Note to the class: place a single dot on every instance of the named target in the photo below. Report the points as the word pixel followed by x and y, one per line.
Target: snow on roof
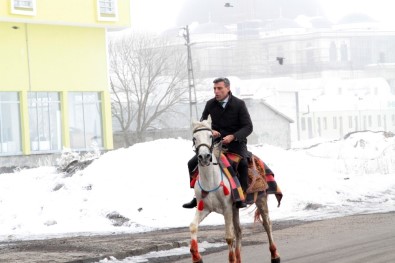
pixel 348 94
pixel 354 18
pixel 319 94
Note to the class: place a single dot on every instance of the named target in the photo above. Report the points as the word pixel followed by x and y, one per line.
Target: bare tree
pixel 148 78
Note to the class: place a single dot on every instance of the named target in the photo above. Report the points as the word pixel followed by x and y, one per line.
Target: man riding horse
pixel 232 123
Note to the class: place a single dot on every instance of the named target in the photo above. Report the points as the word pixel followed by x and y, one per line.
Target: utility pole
pixel 191 79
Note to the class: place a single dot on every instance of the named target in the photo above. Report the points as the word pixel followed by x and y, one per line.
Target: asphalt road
pixel 92 248
pixel 361 238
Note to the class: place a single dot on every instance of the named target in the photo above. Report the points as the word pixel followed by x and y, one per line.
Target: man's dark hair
pixel 224 80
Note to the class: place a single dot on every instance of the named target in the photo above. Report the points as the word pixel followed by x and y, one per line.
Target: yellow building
pixel 54 85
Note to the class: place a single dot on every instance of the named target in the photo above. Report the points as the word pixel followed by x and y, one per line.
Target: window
pixel 349 121
pixel 85 120
pixel 303 124
pixel 107 10
pixel 10 131
pixel 378 120
pixel 325 123
pixel 334 123
pixel 45 121
pixel 341 125
pixel 370 121
pixel 23 7
pixel 319 126
pixel 332 52
pixel 309 53
pixel 381 57
pixel 393 119
pixel 343 52
pixel 391 82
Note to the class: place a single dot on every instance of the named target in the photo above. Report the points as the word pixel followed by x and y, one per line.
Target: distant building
pixel 312 50
pixel 312 47
pixel 54 90
pixel 305 63
pixel 345 106
pixel 270 125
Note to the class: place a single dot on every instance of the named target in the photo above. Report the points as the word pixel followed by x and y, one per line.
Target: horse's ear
pixel 195 124
pixel 209 120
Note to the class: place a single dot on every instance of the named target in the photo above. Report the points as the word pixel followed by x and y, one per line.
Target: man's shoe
pixel 191 204
pixel 241 204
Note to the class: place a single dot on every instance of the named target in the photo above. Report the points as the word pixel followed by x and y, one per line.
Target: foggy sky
pixel 204 11
pixel 159 15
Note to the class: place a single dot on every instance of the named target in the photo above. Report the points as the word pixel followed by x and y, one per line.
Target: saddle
pixel 256 175
pixel 229 167
pixel 260 177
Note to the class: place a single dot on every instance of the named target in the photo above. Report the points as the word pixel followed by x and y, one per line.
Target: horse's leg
pixel 263 209
pixel 193 227
pixel 237 227
pixel 229 232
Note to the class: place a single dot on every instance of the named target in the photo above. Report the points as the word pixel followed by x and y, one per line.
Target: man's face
pixel 220 91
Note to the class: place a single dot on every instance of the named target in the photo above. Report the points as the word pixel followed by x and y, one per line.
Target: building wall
pixel 336 124
pixel 13 62
pixel 307 53
pixel 322 53
pixel 53 58
pixel 60 48
pixel 69 12
pixel 269 126
pixel 48 58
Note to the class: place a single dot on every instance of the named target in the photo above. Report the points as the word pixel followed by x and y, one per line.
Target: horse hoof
pixel 276 260
pixel 200 261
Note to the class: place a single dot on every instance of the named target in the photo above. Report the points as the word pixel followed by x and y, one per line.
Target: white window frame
pixel 23 7
pixel 107 10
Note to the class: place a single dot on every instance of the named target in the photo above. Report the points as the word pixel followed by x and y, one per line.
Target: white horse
pixel 212 190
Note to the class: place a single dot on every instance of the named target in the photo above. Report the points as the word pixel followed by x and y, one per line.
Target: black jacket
pixel 233 119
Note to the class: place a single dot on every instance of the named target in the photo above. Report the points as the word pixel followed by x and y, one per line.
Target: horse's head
pixel 203 141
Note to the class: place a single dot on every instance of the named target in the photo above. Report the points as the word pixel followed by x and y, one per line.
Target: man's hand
pixel 216 134
pixel 227 139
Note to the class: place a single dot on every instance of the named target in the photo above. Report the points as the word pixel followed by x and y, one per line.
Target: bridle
pixel 210 147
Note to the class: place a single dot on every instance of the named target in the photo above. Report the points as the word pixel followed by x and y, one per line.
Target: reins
pixel 216 188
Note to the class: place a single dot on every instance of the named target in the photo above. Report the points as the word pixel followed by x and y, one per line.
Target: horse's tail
pixel 257 216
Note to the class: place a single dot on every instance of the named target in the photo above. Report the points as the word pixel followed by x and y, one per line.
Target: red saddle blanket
pixel 261 178
pixel 258 172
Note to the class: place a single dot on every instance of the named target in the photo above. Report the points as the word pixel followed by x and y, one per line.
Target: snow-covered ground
pixel 142 188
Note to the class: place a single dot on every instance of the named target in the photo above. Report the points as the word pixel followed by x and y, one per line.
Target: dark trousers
pixel 192 164
pixel 242 170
